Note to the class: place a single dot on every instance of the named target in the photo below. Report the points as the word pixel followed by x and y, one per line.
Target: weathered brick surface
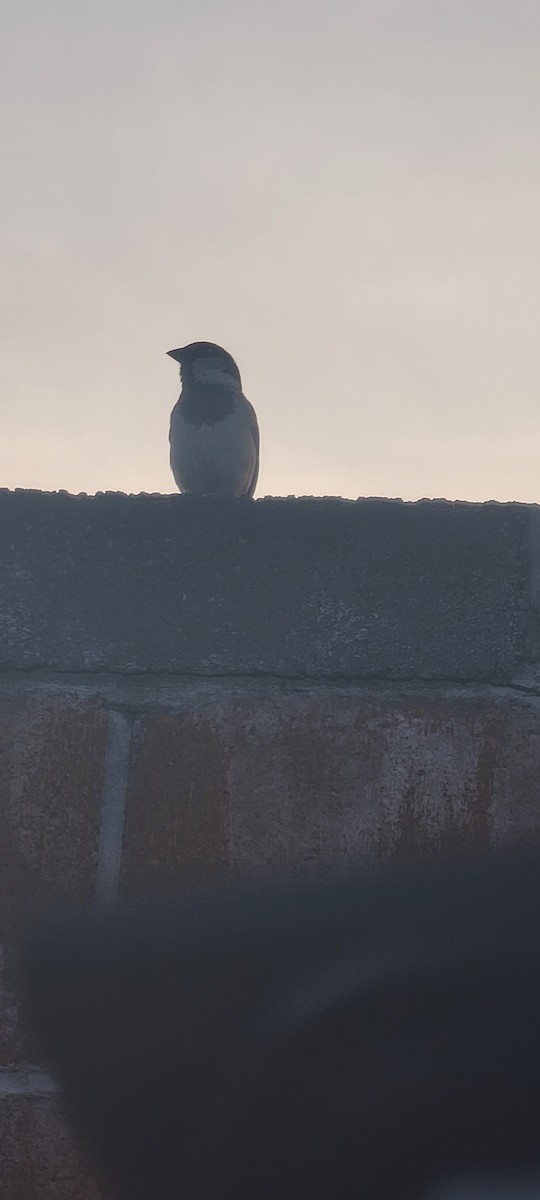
pixel 176 801
pixel 281 778
pixel 38 1157
pixel 236 638
pixel 51 770
pixel 333 777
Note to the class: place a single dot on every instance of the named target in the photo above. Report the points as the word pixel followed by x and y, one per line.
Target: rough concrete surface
pixel 38 1157
pixel 315 587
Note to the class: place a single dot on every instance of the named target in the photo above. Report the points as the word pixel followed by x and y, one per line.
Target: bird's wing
pixel 174 415
pixel 254 429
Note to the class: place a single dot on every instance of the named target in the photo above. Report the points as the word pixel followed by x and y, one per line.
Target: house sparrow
pixel 214 436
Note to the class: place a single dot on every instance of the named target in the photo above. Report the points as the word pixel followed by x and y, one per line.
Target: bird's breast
pixel 213 459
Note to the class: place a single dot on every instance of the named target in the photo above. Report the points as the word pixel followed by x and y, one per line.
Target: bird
pixel 214 435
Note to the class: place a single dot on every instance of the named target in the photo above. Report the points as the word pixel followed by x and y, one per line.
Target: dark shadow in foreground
pixel 341 1038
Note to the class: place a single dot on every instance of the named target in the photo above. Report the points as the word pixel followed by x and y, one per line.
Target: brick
pixel 51 775
pixel 334 778
pixel 177 794
pixel 39 1159
pixel 278 778
pixel 331 777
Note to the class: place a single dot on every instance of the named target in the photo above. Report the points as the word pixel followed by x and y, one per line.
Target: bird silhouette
pixel 214 435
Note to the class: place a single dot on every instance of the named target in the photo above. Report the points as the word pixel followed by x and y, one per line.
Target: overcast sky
pixel 345 195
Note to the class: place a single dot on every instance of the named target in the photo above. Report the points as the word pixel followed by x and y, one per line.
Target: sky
pixel 346 196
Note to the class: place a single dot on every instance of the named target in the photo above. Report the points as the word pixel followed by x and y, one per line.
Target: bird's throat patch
pixel 206 404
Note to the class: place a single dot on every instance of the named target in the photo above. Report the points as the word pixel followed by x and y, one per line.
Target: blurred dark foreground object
pixel 342 1038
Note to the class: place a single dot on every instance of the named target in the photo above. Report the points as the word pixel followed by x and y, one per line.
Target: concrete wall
pixel 189 687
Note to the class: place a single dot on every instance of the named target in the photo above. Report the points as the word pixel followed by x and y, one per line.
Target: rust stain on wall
pixel 176 802
pixel 448 813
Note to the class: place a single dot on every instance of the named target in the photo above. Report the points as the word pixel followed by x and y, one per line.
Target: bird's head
pixel 204 362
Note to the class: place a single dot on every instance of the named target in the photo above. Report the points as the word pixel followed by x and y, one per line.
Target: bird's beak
pixel 176 354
